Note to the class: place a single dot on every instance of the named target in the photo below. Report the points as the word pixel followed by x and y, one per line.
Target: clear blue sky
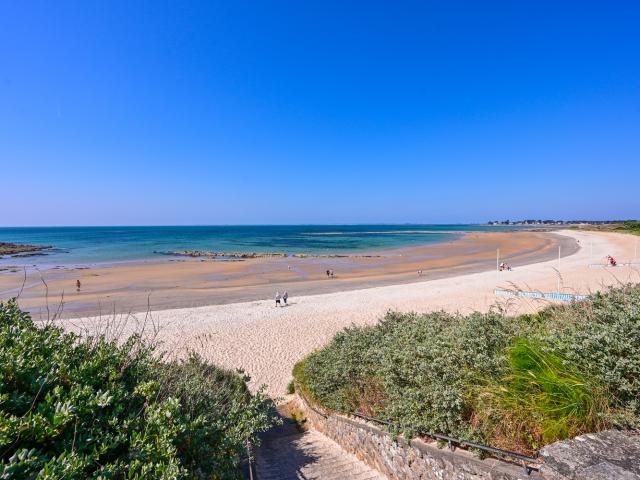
pixel 317 112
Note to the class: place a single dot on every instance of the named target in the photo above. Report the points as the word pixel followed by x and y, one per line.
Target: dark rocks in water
pixel 15 248
pixel 306 255
pixel 10 268
pixel 34 254
pixel 240 255
pixel 245 255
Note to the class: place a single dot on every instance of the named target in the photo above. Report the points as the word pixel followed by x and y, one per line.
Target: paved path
pixel 288 454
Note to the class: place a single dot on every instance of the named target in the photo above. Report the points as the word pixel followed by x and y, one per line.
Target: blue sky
pixel 317 112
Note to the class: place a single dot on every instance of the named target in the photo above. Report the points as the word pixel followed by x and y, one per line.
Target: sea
pixel 105 245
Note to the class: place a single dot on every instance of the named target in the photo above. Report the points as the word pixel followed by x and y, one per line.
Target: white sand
pixel 266 341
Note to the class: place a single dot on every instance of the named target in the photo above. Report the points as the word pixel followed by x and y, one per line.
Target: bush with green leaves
pixel 86 407
pixel 631 226
pixel 516 382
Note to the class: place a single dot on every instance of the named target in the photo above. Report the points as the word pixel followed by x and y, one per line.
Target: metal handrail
pixel 310 404
pixel 524 459
pixel 250 461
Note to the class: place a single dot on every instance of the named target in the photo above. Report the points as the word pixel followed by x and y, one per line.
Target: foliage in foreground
pixel 515 382
pixel 74 407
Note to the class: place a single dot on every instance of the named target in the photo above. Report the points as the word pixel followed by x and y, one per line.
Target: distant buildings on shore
pixel 552 222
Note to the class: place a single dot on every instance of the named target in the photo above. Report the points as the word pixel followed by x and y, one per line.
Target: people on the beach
pixel 611 261
pixel 419 273
pixel 331 272
pixel 505 266
pixel 328 273
pixel 285 297
pixel 78 285
pixel 278 299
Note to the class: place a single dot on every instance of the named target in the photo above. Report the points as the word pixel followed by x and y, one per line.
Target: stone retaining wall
pixel 605 455
pixel 407 460
pixel 608 455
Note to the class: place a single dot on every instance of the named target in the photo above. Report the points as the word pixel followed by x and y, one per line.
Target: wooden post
pixel 559 249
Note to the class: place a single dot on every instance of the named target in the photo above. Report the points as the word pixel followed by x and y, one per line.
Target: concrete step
pixel 288 454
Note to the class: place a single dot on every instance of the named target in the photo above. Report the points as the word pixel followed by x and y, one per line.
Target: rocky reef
pixel 18 250
pixel 240 255
pixel 248 255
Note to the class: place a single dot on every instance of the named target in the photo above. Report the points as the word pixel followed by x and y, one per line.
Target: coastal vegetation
pixel 626 226
pixel 95 407
pixel 630 226
pixel 516 382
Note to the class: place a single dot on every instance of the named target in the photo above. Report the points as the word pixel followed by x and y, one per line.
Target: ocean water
pixel 98 245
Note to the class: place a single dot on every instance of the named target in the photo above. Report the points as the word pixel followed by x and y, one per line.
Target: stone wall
pixel 609 455
pixel 407 460
pixel 603 456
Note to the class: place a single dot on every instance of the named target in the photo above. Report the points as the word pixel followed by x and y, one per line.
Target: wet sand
pixel 191 282
pixel 267 341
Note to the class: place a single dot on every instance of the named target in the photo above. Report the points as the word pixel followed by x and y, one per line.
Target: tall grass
pixel 546 398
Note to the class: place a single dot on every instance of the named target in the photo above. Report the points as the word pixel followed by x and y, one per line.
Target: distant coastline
pixel 200 278
pixel 91 246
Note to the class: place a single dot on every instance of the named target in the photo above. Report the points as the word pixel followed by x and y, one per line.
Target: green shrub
pixel 630 226
pixel 74 407
pixel 601 337
pixel 511 381
pixel 547 398
pixel 291 388
pixel 410 369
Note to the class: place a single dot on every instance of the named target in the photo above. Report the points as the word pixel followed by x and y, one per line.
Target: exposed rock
pixel 305 255
pixel 14 248
pixel 246 255
pixel 606 455
pixel 199 253
pixel 11 268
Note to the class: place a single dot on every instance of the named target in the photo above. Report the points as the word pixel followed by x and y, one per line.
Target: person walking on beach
pixel 278 299
pixel 285 297
pixel 328 273
pixel 78 286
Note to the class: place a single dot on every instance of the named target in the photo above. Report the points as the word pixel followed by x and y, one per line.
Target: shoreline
pixel 266 341
pixel 194 282
pixel 159 255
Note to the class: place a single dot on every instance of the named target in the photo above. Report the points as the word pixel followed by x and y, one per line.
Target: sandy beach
pixel 181 282
pixel 266 341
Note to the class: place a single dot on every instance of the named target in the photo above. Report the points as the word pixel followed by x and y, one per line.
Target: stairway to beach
pixel 287 453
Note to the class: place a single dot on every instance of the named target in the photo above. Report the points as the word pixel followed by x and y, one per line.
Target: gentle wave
pixel 399 232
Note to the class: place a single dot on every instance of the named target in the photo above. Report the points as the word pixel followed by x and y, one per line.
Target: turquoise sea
pixel 97 245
